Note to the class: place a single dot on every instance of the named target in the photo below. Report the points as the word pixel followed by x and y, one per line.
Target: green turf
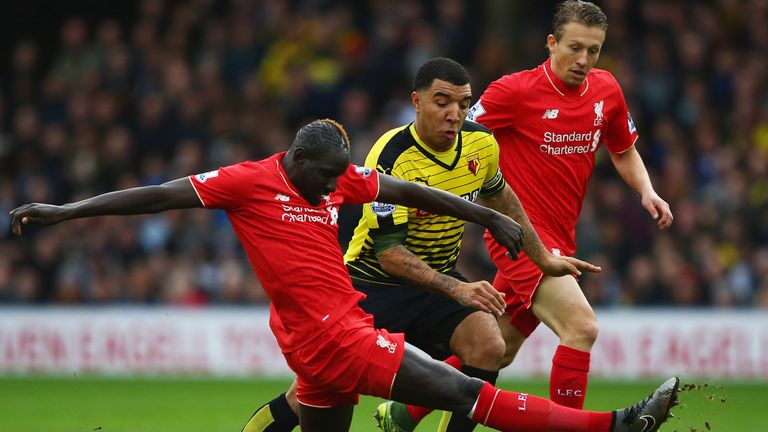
pixel 133 405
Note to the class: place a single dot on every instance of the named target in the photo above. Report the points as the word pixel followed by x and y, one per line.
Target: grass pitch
pixel 86 404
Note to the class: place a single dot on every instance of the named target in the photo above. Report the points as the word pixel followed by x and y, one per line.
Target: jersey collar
pixel 283 175
pixel 431 154
pixel 561 87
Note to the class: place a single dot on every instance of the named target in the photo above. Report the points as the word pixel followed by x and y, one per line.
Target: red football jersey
pixel 548 135
pixel 291 244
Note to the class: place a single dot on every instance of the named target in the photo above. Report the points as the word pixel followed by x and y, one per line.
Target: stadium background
pixel 103 95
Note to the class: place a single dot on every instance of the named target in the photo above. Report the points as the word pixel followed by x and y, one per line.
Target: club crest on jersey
pixel 383 343
pixel 473 164
pixel 599 113
pixel 362 171
pixel 207 175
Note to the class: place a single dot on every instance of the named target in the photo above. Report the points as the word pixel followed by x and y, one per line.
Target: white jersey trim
pixel 196 192
pixel 630 147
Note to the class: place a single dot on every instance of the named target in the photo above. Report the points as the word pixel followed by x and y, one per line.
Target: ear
pixel 416 100
pixel 551 43
pixel 299 155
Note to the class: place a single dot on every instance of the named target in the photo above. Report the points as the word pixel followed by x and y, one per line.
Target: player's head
pixel 318 156
pixel 578 33
pixel 442 96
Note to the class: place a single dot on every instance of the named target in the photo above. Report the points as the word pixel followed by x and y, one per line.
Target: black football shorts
pixel 428 320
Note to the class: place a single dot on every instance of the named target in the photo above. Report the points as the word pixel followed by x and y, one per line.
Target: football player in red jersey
pixel 284 212
pixel 550 122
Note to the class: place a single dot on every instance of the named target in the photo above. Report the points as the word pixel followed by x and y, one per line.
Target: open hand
pixel 479 295
pixel 555 265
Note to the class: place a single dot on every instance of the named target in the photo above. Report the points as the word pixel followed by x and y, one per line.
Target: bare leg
pixel 425 382
pixel 560 304
pixel 478 342
pixel 513 340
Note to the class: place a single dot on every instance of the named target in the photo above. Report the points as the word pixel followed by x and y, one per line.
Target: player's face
pixel 440 112
pixel 577 51
pixel 319 176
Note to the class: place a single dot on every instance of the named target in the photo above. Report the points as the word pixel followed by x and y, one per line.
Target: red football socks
pixel 568 380
pixel 418 413
pixel 510 411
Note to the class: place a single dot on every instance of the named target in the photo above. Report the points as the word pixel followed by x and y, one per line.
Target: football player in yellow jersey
pixel 404 258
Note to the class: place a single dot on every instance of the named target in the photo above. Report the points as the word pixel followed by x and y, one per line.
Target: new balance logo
pixel 550 114
pixel 283 198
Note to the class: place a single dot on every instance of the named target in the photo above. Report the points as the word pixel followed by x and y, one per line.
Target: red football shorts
pixel 348 359
pixel 518 280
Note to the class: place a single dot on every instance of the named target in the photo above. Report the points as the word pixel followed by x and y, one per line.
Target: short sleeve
pixel 359 185
pixel 494 109
pixel 225 188
pixel 385 218
pixel 621 132
pixel 494 181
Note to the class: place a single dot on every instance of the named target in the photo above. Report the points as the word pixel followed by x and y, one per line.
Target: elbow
pixel 386 264
pixel 389 262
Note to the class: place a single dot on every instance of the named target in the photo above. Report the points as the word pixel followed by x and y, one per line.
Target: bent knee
pixel 582 334
pixel 485 353
pixel 510 352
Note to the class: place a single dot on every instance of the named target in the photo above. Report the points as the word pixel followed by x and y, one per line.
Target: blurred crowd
pixel 192 85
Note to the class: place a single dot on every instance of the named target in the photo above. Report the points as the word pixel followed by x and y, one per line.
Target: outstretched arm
pixel 175 194
pixel 630 166
pixel 505 230
pixel 506 202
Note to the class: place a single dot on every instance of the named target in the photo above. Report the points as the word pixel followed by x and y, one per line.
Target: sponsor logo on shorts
pixel 556 252
pixel 383 343
pixel 362 171
pixel 207 175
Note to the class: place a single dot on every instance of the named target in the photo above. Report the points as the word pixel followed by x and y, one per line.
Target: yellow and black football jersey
pixel 469 169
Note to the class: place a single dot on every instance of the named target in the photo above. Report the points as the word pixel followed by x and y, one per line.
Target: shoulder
pixel 389 147
pixel 253 167
pixel 470 126
pixel 604 81
pixel 516 82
